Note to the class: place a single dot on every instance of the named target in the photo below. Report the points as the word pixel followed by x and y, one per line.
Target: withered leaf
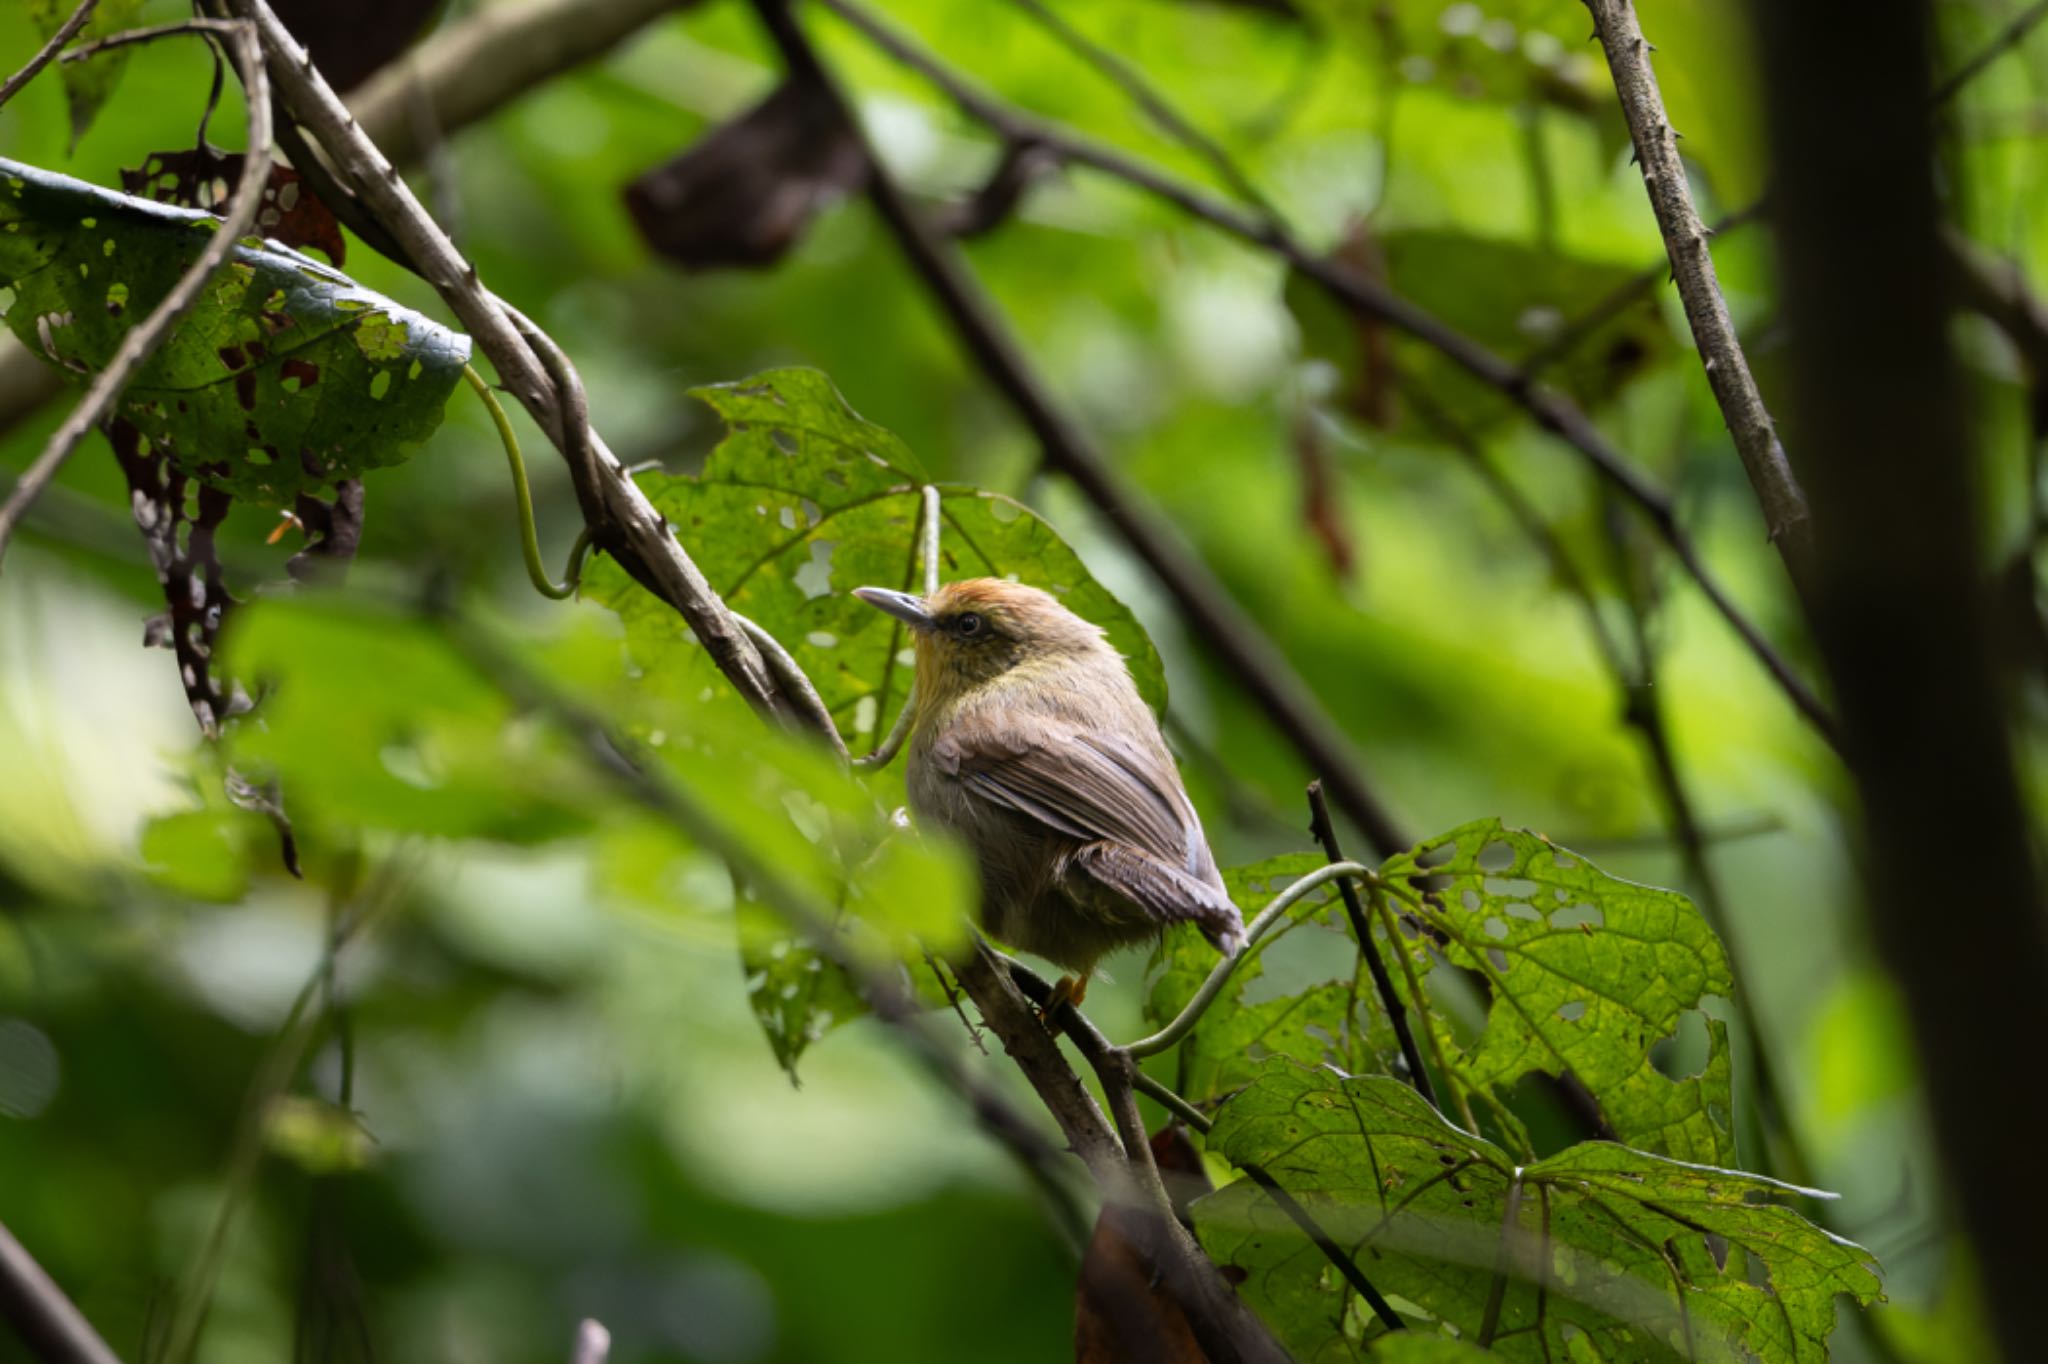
pixel 743 194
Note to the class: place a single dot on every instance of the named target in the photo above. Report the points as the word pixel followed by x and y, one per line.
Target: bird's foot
pixel 1070 990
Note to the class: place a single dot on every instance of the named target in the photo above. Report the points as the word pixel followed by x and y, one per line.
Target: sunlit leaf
pixel 1611 1254
pixel 87 84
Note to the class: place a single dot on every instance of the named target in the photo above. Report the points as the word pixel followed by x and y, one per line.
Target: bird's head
pixel 970 633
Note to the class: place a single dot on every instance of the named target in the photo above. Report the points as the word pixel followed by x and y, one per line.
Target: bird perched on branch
pixel 1031 743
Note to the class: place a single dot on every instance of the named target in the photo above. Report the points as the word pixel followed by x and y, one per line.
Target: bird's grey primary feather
pixel 1052 769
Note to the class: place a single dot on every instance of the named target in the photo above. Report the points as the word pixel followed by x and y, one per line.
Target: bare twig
pixel 2006 39
pixel 54 1330
pixel 1692 267
pixel 64 34
pixel 219 28
pixel 1325 833
pixel 141 343
pixel 1236 640
pixel 1366 298
pixel 622 521
pixel 1155 105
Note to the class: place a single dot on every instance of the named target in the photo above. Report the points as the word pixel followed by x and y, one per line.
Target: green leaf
pixel 1587 972
pixel 1532 52
pixel 1414 1347
pixel 200 853
pixel 1326 1019
pixel 803 501
pixel 87 84
pixel 1611 1254
pixel 285 377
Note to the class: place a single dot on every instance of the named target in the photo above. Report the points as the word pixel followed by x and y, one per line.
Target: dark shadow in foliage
pixel 745 193
pixel 351 39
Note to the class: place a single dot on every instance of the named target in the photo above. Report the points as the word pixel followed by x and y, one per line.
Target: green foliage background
pixel 568 1106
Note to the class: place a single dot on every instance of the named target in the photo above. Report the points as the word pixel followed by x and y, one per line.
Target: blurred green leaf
pixel 87 84
pixel 284 377
pixel 1611 1253
pixel 199 853
pixel 1586 971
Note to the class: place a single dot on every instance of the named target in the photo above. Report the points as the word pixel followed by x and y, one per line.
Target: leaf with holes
pixel 1313 1017
pixel 285 377
pixel 1587 972
pixel 1599 1252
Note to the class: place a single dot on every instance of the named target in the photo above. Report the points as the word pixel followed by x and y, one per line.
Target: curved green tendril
pixel 529 540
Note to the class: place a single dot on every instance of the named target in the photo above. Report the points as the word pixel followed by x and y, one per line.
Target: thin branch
pixel 1221 623
pixel 1692 267
pixel 1496 1293
pixel 1155 105
pixel 1365 298
pixel 140 344
pixel 220 28
pixel 64 34
pixel 622 521
pixel 2001 43
pixel 1219 975
pixel 54 1330
pixel 1325 833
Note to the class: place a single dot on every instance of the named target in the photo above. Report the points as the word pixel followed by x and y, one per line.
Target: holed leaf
pixel 1605 1253
pixel 1587 972
pixel 285 377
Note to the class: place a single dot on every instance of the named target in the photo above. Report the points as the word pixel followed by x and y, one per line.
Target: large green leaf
pixel 1605 1253
pixel 1587 972
pixel 284 377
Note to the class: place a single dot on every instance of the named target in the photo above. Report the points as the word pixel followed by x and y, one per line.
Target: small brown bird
pixel 1032 744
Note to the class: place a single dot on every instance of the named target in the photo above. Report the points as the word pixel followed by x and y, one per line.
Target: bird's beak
pixel 906 608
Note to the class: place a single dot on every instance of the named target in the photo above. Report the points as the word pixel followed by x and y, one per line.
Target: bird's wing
pixel 1088 786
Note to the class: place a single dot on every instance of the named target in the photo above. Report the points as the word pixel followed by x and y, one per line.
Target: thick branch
pixel 1692 267
pixel 622 521
pixel 468 71
pixel 1900 609
pixel 140 344
pixel 55 1330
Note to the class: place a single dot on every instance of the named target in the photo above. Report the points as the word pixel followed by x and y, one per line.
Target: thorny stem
pixel 140 344
pixel 1692 268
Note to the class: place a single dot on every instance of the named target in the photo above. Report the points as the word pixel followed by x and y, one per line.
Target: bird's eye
pixel 969 625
